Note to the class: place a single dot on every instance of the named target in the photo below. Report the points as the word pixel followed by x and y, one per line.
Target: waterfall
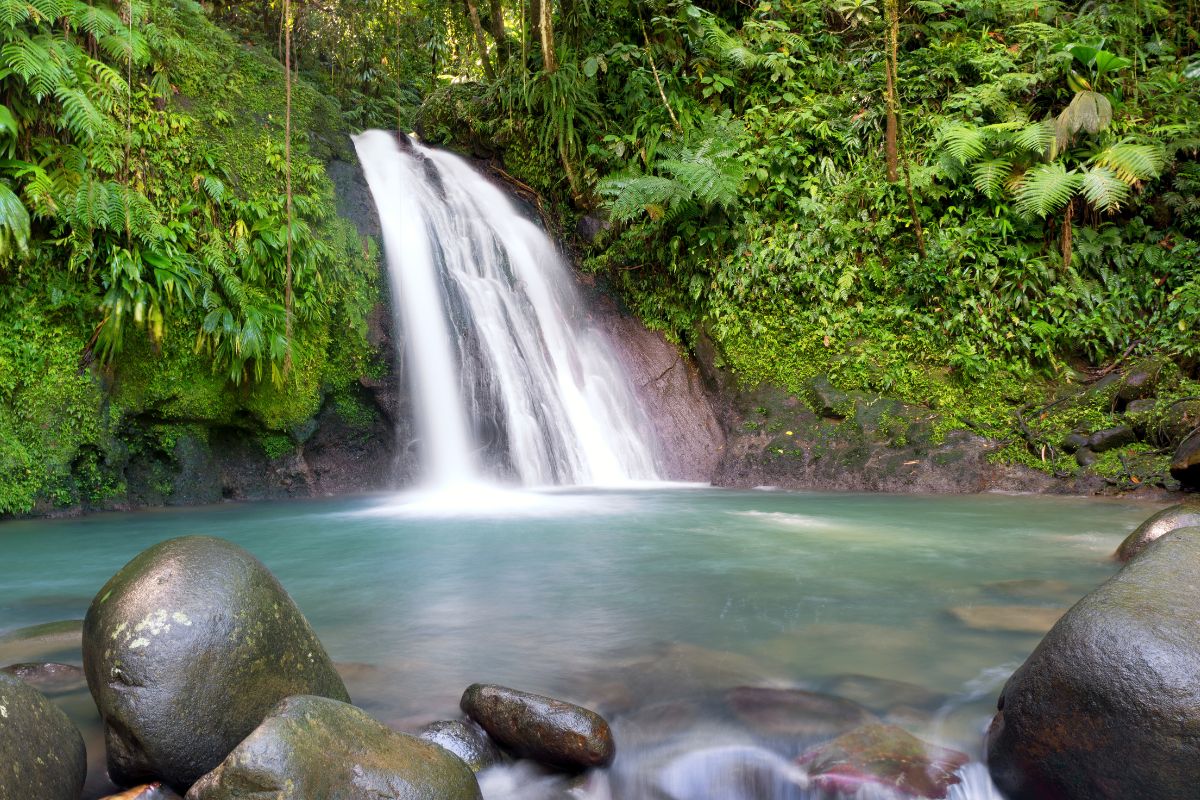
pixel 508 381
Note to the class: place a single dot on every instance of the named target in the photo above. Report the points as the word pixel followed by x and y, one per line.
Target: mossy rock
pixel 186 650
pixel 42 756
pixel 314 747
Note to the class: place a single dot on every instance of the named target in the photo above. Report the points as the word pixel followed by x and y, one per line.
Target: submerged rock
pixel 186 650
pixel 466 740
pixel 546 730
pixel 887 757
pixel 50 679
pixel 41 753
pixel 1183 515
pixel 1108 705
pixel 1013 619
pixel 314 747
pixel 149 791
pixel 795 713
pixel 42 642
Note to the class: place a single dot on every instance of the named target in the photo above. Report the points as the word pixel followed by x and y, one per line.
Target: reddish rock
pixel 884 756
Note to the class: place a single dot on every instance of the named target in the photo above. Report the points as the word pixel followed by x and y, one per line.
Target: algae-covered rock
pixel 41 753
pixel 186 650
pixel 887 757
pixel 1182 515
pixel 1108 705
pixel 466 740
pixel 550 731
pixel 314 747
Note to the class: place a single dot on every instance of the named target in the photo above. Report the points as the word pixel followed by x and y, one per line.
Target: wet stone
pixel 1013 619
pixel 149 791
pixel 1183 515
pixel 544 729
pixel 466 740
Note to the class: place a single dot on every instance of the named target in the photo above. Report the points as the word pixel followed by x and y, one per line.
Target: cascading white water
pixel 507 380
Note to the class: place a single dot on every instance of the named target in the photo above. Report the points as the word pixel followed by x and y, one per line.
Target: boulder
pixel 1139 382
pixel 1146 405
pixel 1180 420
pixel 41 753
pixel 795 713
pixel 1108 705
pixel 1182 515
pixel 546 730
pixel 828 400
pixel 1185 465
pixel 1111 438
pixel 883 756
pixel 466 740
pixel 1074 442
pixel 313 747
pixel 186 650
pixel 1086 457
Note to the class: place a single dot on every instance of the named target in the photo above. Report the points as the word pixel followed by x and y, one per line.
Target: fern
pixel 991 176
pixel 1036 137
pixel 1104 189
pixel 964 143
pixel 633 196
pixel 1046 189
pixel 80 115
pixel 1131 162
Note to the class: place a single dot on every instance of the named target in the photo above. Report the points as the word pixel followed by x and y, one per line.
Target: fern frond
pixel 1036 137
pixel 1131 162
pixel 991 176
pixel 1104 189
pixel 79 114
pixel 1046 189
pixel 641 194
pixel 964 143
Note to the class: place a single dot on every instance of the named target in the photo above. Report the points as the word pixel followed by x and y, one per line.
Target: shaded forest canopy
pixel 971 204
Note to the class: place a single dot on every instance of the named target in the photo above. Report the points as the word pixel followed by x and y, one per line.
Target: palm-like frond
pixel 1046 189
pixel 14 224
pixel 633 196
pixel 1089 111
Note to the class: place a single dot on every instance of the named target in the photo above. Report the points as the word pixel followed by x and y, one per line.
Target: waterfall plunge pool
pixel 649 605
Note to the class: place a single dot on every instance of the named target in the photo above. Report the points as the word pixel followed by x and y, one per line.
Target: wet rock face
pixel 1185 465
pixel 186 650
pixel 884 756
pixel 50 679
pixel 1183 515
pixel 546 730
pixel 1108 705
pixel 314 747
pixel 149 791
pixel 41 752
pixel 466 740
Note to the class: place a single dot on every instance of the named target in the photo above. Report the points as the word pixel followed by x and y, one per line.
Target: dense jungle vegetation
pixel 974 204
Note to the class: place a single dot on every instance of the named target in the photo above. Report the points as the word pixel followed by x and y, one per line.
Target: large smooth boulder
pixel 549 731
pixel 186 650
pixel 41 753
pixel 1108 705
pixel 314 747
pixel 1183 515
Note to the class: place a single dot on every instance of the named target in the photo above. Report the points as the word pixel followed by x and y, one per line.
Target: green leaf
pixel 1103 189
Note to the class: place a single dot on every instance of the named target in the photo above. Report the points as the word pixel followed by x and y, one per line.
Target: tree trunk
pixel 534 18
pixel 496 24
pixel 893 34
pixel 1067 234
pixel 546 26
pixel 480 41
pixel 287 158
